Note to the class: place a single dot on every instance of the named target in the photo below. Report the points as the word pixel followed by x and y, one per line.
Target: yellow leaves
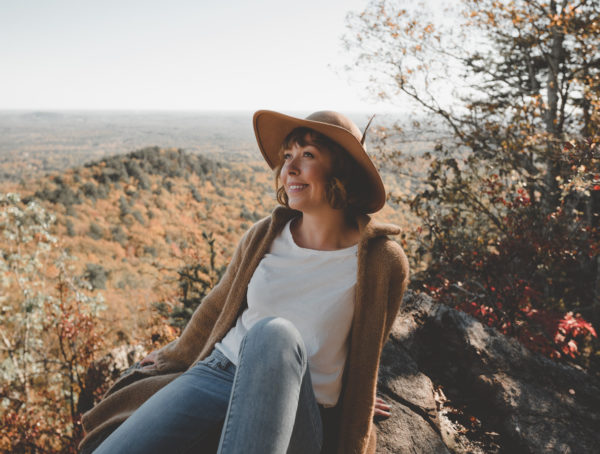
pixel 491 18
pixel 557 22
pixel 390 24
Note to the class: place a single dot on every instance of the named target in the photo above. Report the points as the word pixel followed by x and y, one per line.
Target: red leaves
pixel 36 428
pixel 575 325
pixel 46 415
pixel 560 333
pixel 527 277
pixel 543 331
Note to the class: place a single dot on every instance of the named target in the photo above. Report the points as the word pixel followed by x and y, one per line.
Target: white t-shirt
pixel 315 291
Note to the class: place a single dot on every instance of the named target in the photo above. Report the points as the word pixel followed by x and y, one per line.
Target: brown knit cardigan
pixel 381 280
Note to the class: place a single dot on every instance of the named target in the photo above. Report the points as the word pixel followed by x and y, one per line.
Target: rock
pixel 458 386
pixel 102 372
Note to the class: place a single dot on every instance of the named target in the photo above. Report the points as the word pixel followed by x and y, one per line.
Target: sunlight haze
pixel 178 55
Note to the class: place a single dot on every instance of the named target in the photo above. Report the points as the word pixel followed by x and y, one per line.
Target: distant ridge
pixel 33 143
pixel 135 168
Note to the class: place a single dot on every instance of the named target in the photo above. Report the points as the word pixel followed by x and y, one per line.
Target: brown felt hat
pixel 271 128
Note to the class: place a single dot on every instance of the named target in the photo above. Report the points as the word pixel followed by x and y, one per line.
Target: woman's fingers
pixel 382 408
pixel 380 403
pixel 149 360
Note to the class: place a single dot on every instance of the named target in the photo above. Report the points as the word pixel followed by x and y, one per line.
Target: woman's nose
pixel 292 167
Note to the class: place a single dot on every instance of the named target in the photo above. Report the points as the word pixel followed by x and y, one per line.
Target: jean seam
pixel 232 399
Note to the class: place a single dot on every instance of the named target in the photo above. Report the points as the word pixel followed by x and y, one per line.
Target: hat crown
pixel 336 119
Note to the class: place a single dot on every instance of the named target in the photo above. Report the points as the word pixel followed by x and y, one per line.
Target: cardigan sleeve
pixel 379 296
pixel 179 354
pixel 398 283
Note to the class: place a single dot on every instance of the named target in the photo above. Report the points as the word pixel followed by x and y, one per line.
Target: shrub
pixel 96 275
pixel 96 232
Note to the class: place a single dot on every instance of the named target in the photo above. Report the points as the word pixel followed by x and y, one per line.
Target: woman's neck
pixel 324 232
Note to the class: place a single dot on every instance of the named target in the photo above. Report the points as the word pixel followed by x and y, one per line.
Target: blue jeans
pixel 265 406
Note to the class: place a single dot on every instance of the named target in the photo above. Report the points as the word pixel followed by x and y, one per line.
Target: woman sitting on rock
pixel 282 355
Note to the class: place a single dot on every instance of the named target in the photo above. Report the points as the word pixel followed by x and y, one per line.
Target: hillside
pixel 133 221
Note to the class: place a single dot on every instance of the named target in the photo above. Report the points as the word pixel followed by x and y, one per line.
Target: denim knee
pixel 274 338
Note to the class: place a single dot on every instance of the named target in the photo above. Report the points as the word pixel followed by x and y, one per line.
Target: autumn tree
pixel 48 333
pixel 196 277
pixel 510 200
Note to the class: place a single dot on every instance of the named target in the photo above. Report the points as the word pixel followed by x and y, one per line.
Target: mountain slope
pixel 133 220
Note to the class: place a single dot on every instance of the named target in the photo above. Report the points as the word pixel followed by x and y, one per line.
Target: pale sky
pixel 178 55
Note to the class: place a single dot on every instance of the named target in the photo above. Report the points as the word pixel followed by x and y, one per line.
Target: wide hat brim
pixel 271 128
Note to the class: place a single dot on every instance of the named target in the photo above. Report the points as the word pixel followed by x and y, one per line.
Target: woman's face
pixel 305 176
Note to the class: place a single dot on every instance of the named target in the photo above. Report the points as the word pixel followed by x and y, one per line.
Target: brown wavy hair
pixel 344 190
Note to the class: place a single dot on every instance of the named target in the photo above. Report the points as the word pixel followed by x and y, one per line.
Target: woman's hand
pixel 382 409
pixel 149 362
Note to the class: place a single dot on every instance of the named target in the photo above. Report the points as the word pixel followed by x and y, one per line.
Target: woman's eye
pixel 309 154
pixel 287 156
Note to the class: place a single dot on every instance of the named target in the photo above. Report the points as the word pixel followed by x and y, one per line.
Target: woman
pixel 282 355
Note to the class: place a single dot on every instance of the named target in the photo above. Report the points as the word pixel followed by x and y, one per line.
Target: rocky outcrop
pixel 457 386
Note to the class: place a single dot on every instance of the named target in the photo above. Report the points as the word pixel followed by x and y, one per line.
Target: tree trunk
pixel 554 59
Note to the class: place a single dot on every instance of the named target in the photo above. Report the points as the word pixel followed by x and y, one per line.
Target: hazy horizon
pixel 34 142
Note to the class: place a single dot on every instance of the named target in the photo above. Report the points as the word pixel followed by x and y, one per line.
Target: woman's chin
pixel 295 204
pixel 296 207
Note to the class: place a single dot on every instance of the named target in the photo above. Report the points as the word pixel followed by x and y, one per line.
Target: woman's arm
pixel 179 354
